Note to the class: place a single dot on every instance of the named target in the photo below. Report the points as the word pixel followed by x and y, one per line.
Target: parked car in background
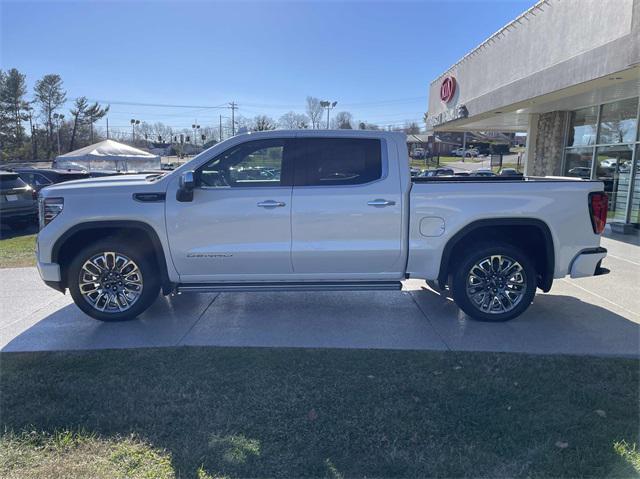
pixel 38 178
pixel 609 162
pixel 340 212
pixel 465 152
pixel 580 172
pixel 509 172
pixel 18 201
pixel 482 172
pixel 419 152
pixel 415 171
pixel 437 172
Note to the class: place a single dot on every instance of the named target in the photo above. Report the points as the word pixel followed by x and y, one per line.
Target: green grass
pixel 432 162
pixel 18 251
pixel 35 454
pixel 234 412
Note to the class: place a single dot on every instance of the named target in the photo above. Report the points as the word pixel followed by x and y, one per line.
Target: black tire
pixel 461 278
pixel 146 266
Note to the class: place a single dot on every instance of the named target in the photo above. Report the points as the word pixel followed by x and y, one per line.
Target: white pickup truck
pixel 315 210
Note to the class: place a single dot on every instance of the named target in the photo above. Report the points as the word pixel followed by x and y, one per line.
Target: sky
pixel 376 59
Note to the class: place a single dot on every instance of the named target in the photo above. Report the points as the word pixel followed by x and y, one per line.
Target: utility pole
pixel 220 131
pixel 233 105
pixel 107 128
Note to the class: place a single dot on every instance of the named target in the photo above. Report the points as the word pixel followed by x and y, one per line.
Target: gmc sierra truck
pixel 315 210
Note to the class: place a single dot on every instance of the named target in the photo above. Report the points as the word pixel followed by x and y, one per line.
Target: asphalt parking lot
pixel 592 316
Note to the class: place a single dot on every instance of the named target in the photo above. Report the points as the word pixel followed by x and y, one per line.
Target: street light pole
pixel 134 122
pixel 328 105
pixel 58 117
pixel 195 128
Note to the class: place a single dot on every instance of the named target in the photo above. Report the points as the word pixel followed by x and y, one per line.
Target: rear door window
pixel 40 180
pixel 10 181
pixel 338 161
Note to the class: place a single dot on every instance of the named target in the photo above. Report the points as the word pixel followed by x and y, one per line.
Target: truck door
pixel 346 217
pixel 238 225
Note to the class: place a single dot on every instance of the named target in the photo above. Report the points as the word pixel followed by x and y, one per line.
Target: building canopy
pixel 108 155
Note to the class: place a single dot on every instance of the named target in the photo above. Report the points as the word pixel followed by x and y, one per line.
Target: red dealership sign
pixel 447 89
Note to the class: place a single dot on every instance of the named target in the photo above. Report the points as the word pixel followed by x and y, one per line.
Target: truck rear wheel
pixel 112 281
pixel 494 282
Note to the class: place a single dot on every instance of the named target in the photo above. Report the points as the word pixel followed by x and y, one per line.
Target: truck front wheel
pixel 113 281
pixel 494 282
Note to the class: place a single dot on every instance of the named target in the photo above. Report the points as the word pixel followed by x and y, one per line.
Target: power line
pixel 156 105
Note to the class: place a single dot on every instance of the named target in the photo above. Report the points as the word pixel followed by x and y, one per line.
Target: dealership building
pixel 566 72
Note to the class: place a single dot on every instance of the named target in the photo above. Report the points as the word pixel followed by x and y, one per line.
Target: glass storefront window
pixel 618 122
pixel 583 127
pixel 613 167
pixel 635 193
pixel 577 162
pixel 618 136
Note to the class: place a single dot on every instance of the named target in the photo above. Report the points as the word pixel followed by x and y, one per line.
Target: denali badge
pixel 209 255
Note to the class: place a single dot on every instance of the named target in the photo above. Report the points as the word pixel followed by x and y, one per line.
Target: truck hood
pixel 116 181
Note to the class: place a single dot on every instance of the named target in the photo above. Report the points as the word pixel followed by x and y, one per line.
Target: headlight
pixel 49 208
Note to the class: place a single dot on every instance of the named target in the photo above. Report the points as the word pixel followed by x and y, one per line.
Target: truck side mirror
pixel 186 185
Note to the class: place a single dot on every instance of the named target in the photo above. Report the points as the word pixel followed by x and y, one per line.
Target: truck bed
pixel 441 207
pixel 484 179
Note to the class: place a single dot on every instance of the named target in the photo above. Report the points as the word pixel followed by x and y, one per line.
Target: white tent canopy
pixel 108 155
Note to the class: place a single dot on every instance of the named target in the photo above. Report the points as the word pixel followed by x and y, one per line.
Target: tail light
pixel 598 207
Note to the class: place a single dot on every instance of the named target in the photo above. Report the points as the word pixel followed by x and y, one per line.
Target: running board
pixel 290 286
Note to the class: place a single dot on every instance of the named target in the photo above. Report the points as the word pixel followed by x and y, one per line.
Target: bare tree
pixel 293 121
pixel 50 95
pixel 342 121
pixel 155 131
pixel 263 123
pixel 314 111
pixel 363 125
pixel 411 128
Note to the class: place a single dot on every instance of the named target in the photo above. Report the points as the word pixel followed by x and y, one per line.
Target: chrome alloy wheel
pixel 110 282
pixel 496 284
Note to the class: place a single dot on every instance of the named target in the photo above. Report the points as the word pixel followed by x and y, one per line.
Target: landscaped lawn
pixel 239 412
pixel 18 251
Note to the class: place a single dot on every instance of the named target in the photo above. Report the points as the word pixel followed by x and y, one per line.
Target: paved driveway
pixel 596 316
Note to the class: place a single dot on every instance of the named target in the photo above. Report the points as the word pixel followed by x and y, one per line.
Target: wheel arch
pixel 84 233
pixel 511 230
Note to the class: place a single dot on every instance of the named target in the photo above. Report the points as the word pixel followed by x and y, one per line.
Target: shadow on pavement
pixel 631 239
pixel 554 324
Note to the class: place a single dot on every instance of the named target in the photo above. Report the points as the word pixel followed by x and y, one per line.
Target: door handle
pixel 381 202
pixel 271 204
